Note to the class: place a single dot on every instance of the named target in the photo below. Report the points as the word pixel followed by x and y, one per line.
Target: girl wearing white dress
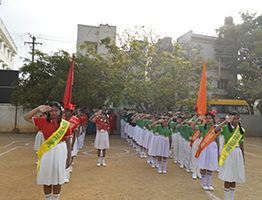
pixel 102 135
pixel 233 168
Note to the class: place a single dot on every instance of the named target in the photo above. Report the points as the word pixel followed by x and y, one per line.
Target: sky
pixel 54 22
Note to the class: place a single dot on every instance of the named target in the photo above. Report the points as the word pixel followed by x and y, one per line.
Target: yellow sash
pixel 52 140
pixel 230 145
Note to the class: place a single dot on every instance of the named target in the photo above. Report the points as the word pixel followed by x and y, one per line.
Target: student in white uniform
pixel 232 161
pixel 102 135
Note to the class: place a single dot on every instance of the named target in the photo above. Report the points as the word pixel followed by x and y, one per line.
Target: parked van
pixel 223 105
pixel 227 105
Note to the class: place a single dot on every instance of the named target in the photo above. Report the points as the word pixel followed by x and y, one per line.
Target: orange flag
pixel 202 96
pixel 69 84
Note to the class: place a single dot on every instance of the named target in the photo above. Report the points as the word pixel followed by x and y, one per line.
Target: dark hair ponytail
pixel 56 104
pixel 240 129
pixel 104 112
pixel 205 127
pixel 229 125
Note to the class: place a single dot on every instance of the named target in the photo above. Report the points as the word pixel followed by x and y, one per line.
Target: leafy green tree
pixel 238 45
pixel 155 76
pixel 42 81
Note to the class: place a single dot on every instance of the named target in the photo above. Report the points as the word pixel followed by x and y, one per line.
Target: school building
pixel 205 43
pixel 93 35
pixel 8 49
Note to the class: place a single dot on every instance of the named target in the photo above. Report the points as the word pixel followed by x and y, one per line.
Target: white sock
pixel 227 193
pixel 48 196
pixel 103 160
pixel 98 159
pixel 232 193
pixel 56 196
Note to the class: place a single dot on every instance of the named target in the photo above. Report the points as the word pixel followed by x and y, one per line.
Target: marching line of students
pixel 195 144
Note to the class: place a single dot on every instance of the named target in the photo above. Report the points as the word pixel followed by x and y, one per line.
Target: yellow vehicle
pixel 228 105
pixel 222 105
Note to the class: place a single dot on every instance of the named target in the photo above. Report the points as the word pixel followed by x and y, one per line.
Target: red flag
pixel 69 84
pixel 202 96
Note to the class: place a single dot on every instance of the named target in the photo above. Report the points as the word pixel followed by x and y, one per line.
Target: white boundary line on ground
pixel 251 154
pixel 212 196
pixel 8 144
pixel 12 150
pixel 252 145
pixel 8 151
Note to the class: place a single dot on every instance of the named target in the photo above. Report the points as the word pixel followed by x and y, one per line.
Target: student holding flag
pixel 54 156
pixel 231 161
pixel 207 153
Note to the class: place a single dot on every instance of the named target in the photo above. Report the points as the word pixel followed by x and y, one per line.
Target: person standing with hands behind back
pixel 54 156
pixel 102 135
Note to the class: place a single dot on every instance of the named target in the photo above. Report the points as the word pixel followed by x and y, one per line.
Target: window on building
pixel 222 84
pixel 94 44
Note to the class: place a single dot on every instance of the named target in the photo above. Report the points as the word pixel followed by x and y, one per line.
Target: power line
pixel 33 45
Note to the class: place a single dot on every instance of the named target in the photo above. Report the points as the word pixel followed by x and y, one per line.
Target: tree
pixel 42 81
pixel 140 70
pixel 238 46
pixel 156 76
pixel 45 80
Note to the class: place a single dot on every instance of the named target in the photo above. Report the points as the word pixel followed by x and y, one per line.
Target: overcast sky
pixel 54 22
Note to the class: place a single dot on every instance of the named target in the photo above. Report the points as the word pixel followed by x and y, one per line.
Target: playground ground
pixel 126 176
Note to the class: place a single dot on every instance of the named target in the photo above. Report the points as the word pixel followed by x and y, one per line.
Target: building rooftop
pixel 8 34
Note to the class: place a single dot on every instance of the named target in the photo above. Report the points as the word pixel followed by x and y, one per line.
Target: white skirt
pixel 74 150
pixel 122 125
pixel 101 140
pixel 137 131
pixel 147 139
pixel 233 169
pixel 126 129
pixel 153 146
pixel 52 169
pixel 39 139
pixel 162 146
pixel 129 130
pixel 132 131
pixel 141 137
pixel 208 158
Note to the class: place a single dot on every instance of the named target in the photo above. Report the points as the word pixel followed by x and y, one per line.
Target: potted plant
pixel 15 130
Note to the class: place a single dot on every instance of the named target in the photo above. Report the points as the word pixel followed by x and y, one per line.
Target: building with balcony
pixel 8 48
pixel 205 44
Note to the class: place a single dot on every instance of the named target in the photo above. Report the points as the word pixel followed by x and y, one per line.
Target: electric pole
pixel 33 45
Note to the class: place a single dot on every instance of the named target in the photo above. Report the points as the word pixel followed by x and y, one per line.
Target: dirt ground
pixel 126 176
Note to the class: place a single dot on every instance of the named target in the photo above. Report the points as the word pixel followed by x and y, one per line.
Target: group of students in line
pixel 60 137
pixel 200 143
pixel 194 141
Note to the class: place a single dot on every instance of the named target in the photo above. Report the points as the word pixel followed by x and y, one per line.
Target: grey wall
pixel 251 123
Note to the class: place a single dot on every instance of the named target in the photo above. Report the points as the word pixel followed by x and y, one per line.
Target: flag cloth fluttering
pixel 202 96
pixel 69 84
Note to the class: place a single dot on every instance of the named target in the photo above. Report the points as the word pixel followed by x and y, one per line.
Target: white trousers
pixel 181 149
pixel 175 145
pixel 195 146
pixel 187 157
